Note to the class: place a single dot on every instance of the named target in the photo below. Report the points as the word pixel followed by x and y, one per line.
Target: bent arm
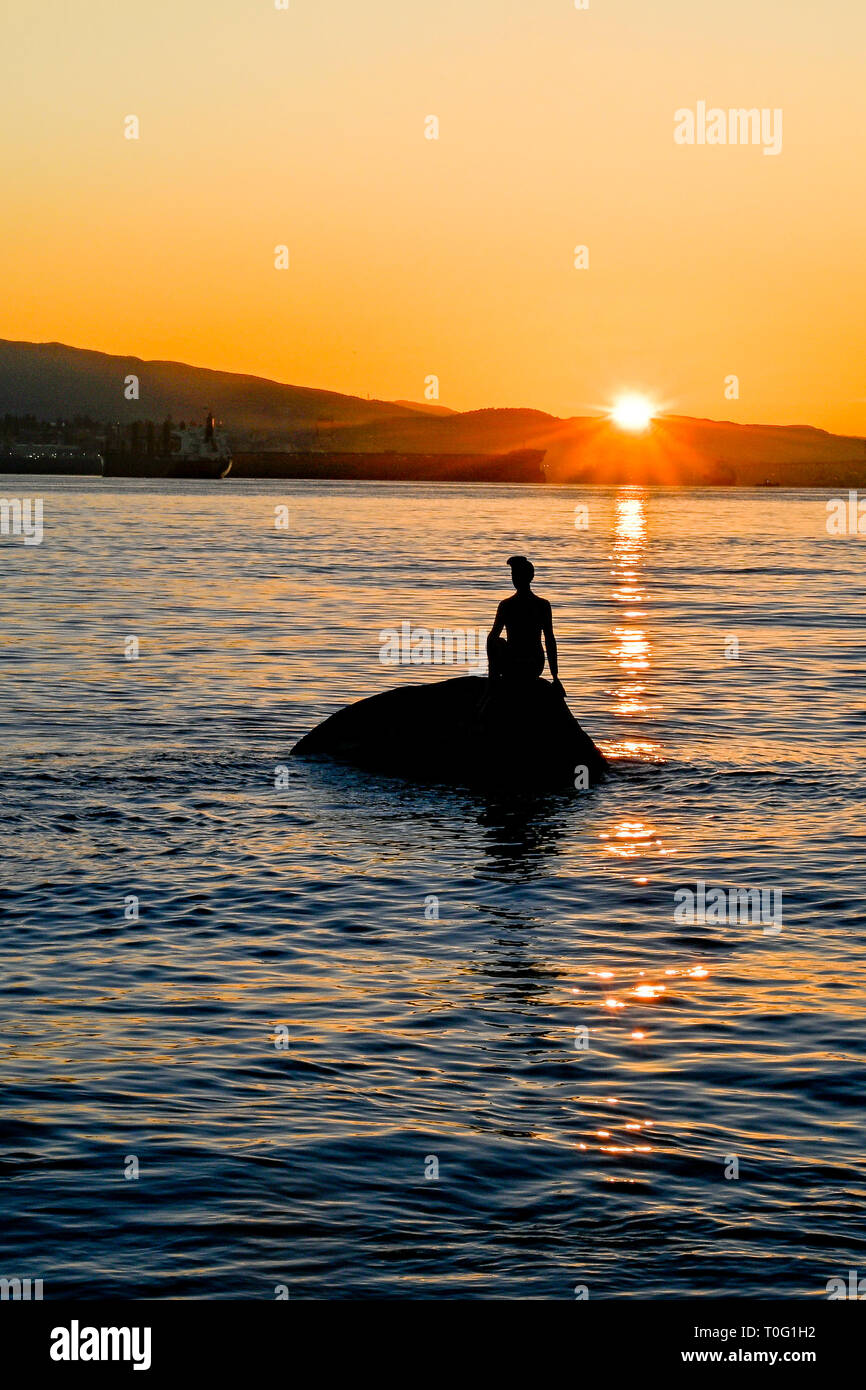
pixel 550 644
pixel 498 623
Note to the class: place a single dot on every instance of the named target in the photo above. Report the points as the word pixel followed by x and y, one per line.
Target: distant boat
pixel 185 451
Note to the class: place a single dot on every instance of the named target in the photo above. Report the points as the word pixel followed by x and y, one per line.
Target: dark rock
pixel 467 731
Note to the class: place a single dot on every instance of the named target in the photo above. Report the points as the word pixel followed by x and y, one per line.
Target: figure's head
pixel 522 572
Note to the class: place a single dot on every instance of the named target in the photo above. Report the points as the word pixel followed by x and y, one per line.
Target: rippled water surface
pixel 289 1040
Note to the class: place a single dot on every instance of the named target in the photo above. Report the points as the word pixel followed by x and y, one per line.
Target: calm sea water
pixel 288 1040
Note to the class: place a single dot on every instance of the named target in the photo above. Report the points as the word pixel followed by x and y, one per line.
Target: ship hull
pixel 518 466
pixel 121 465
pixel 90 467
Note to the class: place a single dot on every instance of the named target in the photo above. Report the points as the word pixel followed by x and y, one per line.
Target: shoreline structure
pixel 526 467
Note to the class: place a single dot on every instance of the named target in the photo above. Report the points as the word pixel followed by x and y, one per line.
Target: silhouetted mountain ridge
pixel 52 380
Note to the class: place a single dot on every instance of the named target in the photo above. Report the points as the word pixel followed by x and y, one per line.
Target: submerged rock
pixel 466 731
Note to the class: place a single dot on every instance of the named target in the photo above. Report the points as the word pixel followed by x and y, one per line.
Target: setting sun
pixel 632 413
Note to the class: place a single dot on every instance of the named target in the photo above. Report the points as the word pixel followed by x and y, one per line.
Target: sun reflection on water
pixel 632 650
pixel 623 1136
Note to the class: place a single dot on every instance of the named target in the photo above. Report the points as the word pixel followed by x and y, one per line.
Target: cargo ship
pixel 174 451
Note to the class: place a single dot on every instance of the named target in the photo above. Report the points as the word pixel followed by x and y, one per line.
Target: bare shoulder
pixel 543 604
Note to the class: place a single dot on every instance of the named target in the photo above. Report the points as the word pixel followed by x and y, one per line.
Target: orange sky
pixel 412 257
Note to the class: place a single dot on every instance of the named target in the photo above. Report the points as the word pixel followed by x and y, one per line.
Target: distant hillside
pixel 678 449
pixel 466 432
pixel 50 380
pixel 593 450
pixel 429 407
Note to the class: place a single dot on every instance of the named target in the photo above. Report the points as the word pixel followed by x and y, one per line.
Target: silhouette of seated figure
pixel 518 658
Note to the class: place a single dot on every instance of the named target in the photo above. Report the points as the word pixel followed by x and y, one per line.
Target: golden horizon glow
pixel 454 257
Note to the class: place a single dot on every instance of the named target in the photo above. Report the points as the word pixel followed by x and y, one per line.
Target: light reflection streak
pixel 631 650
